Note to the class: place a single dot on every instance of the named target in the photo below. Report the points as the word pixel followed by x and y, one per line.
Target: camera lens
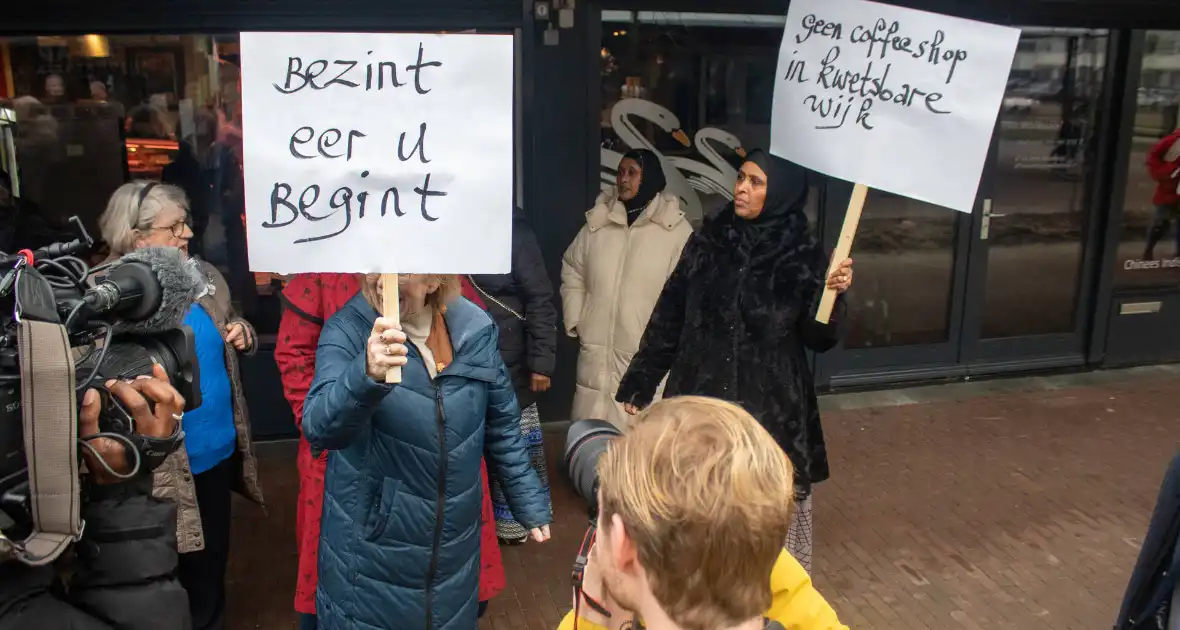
pixel 584 445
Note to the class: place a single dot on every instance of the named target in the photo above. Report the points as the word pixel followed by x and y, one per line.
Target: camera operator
pixel 122 574
pixel 693 510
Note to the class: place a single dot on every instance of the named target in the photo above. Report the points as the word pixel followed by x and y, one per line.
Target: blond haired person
pixel 694 506
pixel 402 493
pixel 217 457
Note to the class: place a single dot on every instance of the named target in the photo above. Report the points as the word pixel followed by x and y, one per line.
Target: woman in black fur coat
pixel 736 315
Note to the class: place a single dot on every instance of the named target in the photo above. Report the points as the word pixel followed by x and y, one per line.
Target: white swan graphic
pixel 665 120
pixel 715 178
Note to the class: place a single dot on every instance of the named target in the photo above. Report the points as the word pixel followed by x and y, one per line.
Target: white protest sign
pixel 378 153
pixel 890 98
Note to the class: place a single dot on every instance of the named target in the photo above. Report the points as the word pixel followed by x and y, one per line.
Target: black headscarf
pixel 650 185
pixel 781 231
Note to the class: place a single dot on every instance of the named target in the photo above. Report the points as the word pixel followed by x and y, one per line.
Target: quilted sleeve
pixel 573 281
pixel 342 397
pixel 507 450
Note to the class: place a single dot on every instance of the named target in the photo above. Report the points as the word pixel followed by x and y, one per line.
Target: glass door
pixel 1027 292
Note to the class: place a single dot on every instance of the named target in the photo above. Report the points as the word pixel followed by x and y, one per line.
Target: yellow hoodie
pixel 796 604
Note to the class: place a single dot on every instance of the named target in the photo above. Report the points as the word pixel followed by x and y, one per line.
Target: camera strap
pixel 49 408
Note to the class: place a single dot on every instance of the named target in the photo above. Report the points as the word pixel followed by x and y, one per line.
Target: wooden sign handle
pixel 391 308
pixel 843 248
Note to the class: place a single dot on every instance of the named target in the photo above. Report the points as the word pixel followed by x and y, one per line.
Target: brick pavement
pixel 1020 511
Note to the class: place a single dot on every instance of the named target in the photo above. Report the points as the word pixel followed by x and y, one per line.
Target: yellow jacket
pixel 796 604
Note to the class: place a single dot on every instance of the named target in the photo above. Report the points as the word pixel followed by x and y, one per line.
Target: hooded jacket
pixel 734 321
pixel 399 543
pixel 611 276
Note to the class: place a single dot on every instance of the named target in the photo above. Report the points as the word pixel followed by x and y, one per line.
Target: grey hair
pixel 125 215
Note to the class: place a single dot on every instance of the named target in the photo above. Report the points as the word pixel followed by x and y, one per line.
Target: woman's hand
pixel 539 383
pixel 631 409
pixel 159 422
pixel 841 278
pixel 386 350
pixel 539 534
pixel 237 335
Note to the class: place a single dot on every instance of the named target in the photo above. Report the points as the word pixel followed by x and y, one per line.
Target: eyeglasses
pixel 177 228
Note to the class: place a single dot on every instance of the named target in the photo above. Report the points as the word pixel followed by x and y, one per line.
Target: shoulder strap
pixel 304 315
pixel 49 408
pixel 773 625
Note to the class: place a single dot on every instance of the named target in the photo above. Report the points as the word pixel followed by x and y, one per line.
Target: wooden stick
pixel 391 308
pixel 843 248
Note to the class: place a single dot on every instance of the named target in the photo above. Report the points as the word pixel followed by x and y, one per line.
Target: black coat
pixel 1154 581
pixel 528 343
pixel 734 327
pixel 124 574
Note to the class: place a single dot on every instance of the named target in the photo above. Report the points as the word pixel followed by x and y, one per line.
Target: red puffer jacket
pixel 309 300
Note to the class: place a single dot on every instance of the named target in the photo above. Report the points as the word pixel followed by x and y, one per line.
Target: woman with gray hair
pixel 218 456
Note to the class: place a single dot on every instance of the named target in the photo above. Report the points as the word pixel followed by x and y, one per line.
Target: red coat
pixel 1165 172
pixel 309 300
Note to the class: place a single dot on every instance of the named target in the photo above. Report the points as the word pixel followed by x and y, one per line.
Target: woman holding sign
pixel 400 544
pixel 736 316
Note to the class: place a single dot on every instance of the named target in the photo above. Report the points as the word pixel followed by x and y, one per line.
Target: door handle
pixel 986 224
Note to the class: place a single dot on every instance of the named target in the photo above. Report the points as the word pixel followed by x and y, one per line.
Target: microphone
pixel 149 290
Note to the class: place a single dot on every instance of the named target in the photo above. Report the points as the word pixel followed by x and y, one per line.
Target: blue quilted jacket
pixel 399 543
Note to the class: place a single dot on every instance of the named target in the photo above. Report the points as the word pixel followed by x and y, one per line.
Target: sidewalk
pixel 1011 504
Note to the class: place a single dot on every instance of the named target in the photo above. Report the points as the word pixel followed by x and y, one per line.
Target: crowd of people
pixel 408 490
pixel 395 494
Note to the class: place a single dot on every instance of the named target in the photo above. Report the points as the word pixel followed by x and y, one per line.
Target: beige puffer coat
pixel 611 277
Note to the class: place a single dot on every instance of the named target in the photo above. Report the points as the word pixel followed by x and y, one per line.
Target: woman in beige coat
pixel 612 275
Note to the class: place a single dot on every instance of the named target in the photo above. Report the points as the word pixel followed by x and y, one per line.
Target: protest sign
pixel 890 98
pixel 387 153
pixel 378 153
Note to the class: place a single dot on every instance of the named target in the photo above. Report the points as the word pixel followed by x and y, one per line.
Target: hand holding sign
pixel 890 98
pixel 386 350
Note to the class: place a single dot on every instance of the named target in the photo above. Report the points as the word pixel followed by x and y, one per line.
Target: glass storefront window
pixel 1149 243
pixel 94 111
pixel 1042 171
pixel 695 88
pixel 905 262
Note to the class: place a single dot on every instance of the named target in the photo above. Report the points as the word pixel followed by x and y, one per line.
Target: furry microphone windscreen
pixel 182 282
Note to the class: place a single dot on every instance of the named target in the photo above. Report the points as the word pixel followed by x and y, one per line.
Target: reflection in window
pixel 905 260
pixel 695 88
pixel 1042 175
pixel 1149 243
pixel 94 111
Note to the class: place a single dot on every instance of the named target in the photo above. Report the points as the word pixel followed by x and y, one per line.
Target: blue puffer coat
pixel 399 544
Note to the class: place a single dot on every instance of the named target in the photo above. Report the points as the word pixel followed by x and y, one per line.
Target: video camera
pixel 113 322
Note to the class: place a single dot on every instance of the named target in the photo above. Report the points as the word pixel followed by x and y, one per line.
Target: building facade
pixel 1065 263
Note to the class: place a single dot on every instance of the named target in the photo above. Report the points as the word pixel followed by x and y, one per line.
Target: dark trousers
pixel 307 622
pixel 202 573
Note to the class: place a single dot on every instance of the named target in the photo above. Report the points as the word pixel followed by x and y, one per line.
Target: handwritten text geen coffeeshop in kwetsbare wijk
pixel 843 85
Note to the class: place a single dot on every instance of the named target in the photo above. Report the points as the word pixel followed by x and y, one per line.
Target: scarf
pixel 428 331
pixel 780 236
pixel 651 182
